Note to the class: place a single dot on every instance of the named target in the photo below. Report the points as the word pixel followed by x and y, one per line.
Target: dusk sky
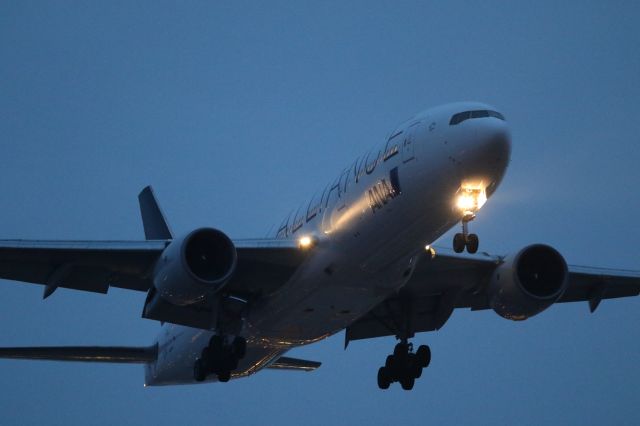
pixel 236 112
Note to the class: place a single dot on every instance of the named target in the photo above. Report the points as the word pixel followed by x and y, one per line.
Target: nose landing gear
pixel 464 239
pixel 219 358
pixel 404 365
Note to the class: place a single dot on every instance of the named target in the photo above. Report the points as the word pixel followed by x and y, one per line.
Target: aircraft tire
pixel 407 382
pixel 458 243
pixel 383 378
pixel 206 353
pixel 423 355
pixel 215 343
pixel 472 243
pixel 389 363
pixel 415 368
pixel 199 373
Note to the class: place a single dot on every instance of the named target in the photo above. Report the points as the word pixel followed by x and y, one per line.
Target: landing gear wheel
pixel 388 364
pixel 415 369
pixel 199 373
pixel 458 243
pixel 423 356
pixel 417 372
pixel 206 353
pixel 224 376
pixel 215 343
pixel 407 382
pixel 472 243
pixel 239 347
pixel 383 378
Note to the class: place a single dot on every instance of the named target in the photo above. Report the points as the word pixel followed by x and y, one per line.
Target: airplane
pixel 357 256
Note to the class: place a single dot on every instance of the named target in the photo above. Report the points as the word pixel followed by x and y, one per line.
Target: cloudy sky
pixel 237 111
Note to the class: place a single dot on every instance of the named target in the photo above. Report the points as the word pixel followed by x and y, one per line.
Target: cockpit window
pixel 460 117
pixel 496 114
pixel 480 113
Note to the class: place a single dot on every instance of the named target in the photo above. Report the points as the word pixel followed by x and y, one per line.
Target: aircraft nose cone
pixel 497 148
pixel 485 155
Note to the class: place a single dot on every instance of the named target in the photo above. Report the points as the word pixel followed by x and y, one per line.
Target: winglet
pixel 153 220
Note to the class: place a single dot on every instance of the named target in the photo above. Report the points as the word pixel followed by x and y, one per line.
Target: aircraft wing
pixel 80 265
pixel 449 281
pixel 263 265
pixel 97 265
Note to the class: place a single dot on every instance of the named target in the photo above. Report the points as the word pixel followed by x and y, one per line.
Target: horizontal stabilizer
pixel 116 354
pixel 286 363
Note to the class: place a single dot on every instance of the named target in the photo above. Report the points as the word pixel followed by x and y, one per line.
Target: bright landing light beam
pixel 471 199
pixel 306 242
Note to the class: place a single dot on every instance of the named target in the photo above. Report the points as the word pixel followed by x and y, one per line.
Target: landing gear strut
pixel 219 358
pixel 464 239
pixel 404 365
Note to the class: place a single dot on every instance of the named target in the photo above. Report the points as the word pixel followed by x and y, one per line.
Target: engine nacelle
pixel 528 283
pixel 194 266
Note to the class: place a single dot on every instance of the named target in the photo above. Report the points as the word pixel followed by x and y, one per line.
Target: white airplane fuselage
pixel 369 226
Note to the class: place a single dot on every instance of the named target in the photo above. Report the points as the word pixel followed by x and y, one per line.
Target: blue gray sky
pixel 237 111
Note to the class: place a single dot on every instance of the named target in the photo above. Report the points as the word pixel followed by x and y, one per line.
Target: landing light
pixel 306 242
pixel 430 251
pixel 471 198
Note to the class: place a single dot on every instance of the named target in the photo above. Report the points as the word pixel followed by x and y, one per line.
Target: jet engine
pixel 194 266
pixel 528 283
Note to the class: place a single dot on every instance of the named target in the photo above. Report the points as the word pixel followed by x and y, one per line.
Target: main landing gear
pixel 464 239
pixel 404 366
pixel 219 358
